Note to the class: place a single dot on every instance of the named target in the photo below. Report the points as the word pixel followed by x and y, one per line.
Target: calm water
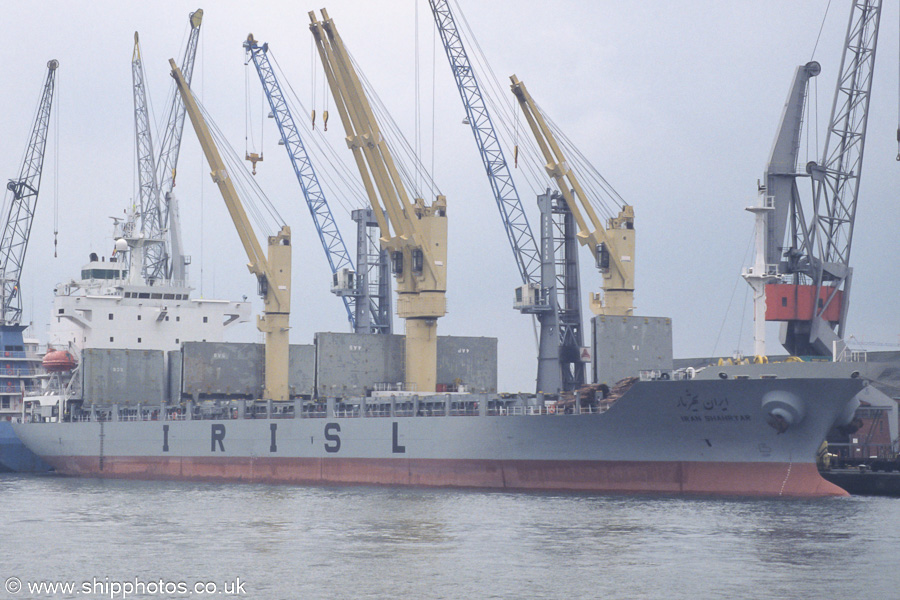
pixel 309 543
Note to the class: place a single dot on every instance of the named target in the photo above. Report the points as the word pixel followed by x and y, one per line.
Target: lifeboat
pixel 58 361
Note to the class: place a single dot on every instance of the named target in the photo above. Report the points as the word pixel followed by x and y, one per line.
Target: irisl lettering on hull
pixel 331 433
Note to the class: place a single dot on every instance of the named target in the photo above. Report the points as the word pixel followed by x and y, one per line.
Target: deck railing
pixel 318 410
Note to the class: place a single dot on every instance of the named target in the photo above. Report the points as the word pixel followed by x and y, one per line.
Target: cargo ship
pixel 748 437
pixel 163 400
pixel 188 412
pixel 157 394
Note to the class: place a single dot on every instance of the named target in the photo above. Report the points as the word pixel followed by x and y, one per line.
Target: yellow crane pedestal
pixel 274 321
pixel 420 312
pixel 421 292
pixel 421 355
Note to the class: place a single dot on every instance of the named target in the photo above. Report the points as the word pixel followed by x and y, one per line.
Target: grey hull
pixel 713 436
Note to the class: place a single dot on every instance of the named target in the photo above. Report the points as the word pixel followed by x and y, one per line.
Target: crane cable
pixel 731 301
pixel 312 79
pixel 417 138
pixel 516 143
pixel 246 109
pixel 339 181
pixel 816 86
pixel 326 95
pixel 255 202
pixel 821 27
pixel 601 194
pixel 505 114
pixel 56 170
pixel 404 156
pixel 433 88
pixel 249 138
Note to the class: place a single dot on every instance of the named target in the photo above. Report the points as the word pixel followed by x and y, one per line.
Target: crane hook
pixel 254 158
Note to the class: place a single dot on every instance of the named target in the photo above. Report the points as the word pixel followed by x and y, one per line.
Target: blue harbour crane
pixel 551 294
pixel 368 309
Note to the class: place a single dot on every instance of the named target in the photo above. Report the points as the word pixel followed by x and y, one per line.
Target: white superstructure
pixel 103 310
pixel 112 306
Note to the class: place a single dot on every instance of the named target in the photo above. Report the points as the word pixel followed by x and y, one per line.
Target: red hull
pixel 673 477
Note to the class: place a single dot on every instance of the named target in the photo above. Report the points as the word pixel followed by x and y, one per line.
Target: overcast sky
pixel 675 103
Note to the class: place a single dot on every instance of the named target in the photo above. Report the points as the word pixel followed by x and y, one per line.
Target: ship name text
pixel 331 434
pixel 707 410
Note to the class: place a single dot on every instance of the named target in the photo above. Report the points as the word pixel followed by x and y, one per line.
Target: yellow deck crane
pixel 612 244
pixel 414 233
pixel 272 272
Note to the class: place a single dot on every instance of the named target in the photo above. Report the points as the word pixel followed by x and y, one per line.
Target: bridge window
pixel 102 274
